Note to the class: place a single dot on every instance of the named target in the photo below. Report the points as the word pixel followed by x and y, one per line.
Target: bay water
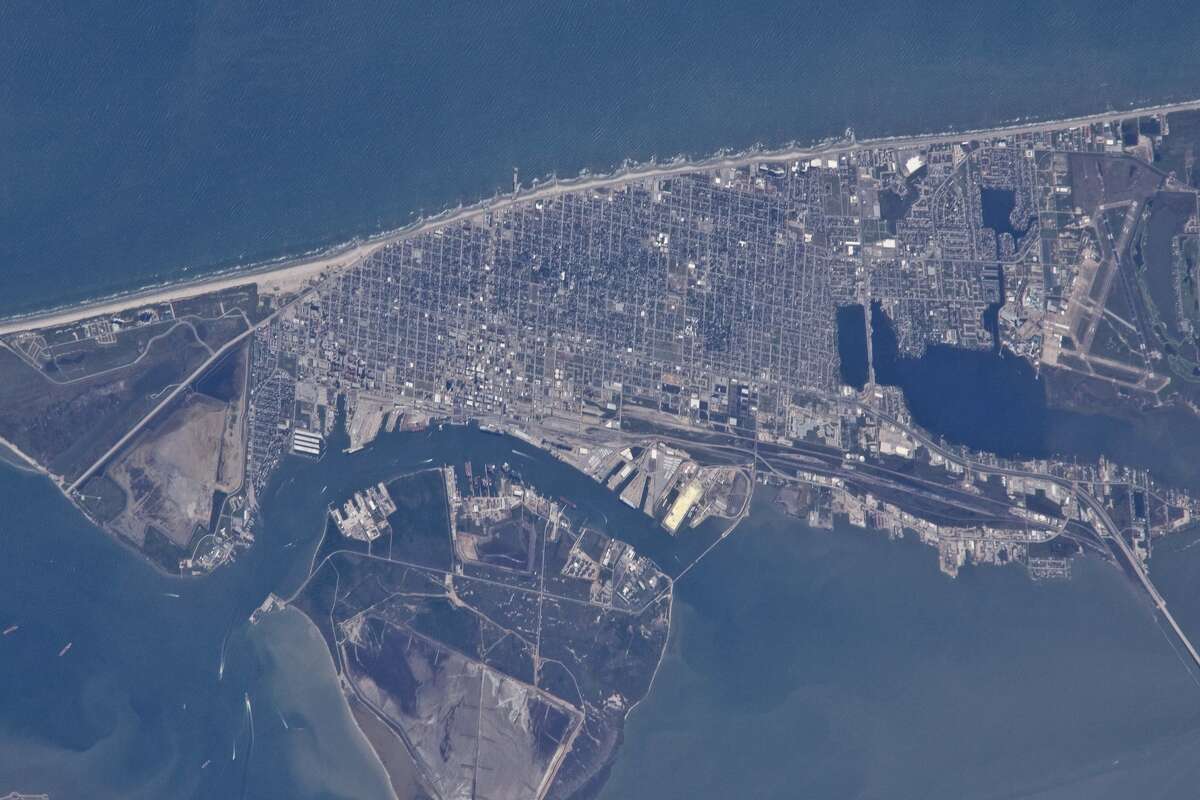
pixel 141 144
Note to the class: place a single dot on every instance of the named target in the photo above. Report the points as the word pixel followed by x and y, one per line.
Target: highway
pixel 804 456
pixel 181 387
pixel 1113 535
pixel 829 460
pixel 1107 528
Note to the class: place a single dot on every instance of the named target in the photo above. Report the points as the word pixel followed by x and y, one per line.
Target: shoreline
pixel 364 744
pixel 287 271
pixel 391 754
pixel 18 459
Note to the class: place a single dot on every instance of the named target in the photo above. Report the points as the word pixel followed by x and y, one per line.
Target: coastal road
pixel 821 458
pixel 1107 528
pixel 1113 534
pixel 300 270
pixel 181 387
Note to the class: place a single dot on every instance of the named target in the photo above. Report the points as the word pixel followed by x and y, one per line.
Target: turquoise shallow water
pixel 802 663
pixel 137 141
pixel 302 722
pixel 139 706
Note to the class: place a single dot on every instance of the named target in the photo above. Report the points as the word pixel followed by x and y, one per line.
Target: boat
pixel 66 647
pixel 221 666
pixel 11 629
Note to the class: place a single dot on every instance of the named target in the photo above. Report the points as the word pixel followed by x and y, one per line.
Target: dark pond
pixel 985 400
pixel 994 401
pixel 852 345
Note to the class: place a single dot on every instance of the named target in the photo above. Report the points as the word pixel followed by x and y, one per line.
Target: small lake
pixel 993 400
pixel 852 345
pixel 987 400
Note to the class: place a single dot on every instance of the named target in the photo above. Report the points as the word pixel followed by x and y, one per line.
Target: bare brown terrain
pixel 170 475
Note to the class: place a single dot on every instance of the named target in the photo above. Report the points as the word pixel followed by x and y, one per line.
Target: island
pixel 497 638
pixel 680 334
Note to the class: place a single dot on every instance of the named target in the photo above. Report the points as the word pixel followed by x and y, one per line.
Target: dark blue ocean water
pixel 140 140
pixel 137 140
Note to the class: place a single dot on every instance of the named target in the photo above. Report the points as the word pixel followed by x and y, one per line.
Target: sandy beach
pixel 280 278
pixel 295 274
pixel 12 454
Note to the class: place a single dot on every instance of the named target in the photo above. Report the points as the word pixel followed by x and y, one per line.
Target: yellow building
pixel 683 504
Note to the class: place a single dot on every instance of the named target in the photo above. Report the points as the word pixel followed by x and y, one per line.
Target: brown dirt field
pixel 170 475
